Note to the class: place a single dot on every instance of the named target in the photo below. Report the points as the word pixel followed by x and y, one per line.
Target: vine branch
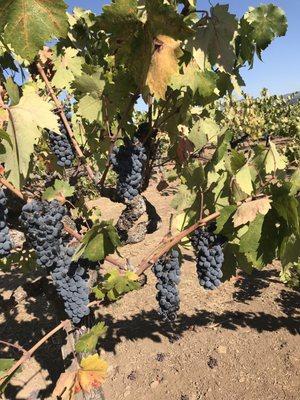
pixel 30 352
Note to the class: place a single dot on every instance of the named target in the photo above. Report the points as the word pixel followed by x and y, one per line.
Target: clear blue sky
pixel 280 69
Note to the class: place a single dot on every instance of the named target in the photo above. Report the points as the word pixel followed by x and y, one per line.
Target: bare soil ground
pixel 239 342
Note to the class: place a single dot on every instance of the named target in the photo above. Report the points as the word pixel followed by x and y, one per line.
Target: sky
pixel 280 69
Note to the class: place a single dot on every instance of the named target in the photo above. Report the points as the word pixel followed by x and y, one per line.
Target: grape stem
pixel 155 256
pixel 66 122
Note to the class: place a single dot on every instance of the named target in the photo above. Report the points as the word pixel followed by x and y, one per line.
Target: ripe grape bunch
pixel 128 162
pixel 61 146
pixel 210 258
pixel 71 281
pixel 42 221
pixel 5 241
pixel 167 272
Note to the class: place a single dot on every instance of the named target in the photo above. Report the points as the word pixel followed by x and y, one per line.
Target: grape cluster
pixel 5 241
pixel 42 221
pixel 210 258
pixel 71 281
pixel 61 146
pixel 167 272
pixel 128 162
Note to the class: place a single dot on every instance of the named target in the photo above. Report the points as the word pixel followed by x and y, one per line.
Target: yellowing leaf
pixel 27 117
pixel 274 160
pixel 243 179
pixel 164 64
pixel 248 211
pixel 92 373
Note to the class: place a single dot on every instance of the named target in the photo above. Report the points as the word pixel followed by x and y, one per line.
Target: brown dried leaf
pixel 248 211
pixel 65 386
pixel 164 64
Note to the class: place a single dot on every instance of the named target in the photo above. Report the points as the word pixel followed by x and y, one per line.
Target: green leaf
pixel 5 364
pixel 13 91
pixel 289 249
pixel 100 241
pixel 250 240
pixel 202 82
pixel 215 39
pixel 88 342
pixel 89 84
pixel 68 66
pixel 244 180
pixel 5 136
pixel 222 147
pixel 267 22
pixel 29 24
pixel 31 112
pixel 225 216
pixel 205 130
pixel 120 17
pixel 237 160
pixel 90 108
pixel 60 190
pixel 230 262
pixel 165 20
pixel 295 182
pixel 184 198
pixel 286 206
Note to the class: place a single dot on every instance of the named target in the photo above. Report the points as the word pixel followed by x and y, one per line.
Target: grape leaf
pixel 164 64
pixel 222 146
pixel 273 160
pixel 202 82
pixel 295 182
pixel 92 373
pixel 59 191
pixel 250 240
pixel 12 90
pixel 88 342
pixel 215 39
pixel 68 66
pixel 29 24
pixel 164 20
pixel 101 240
pixel 184 198
pixel 248 211
pixel 286 206
pixel 267 21
pixel 89 84
pixel 5 364
pixel 244 180
pixel 120 17
pixel 90 108
pixel 24 132
pixel 116 284
pixel 204 130
pixel 225 216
